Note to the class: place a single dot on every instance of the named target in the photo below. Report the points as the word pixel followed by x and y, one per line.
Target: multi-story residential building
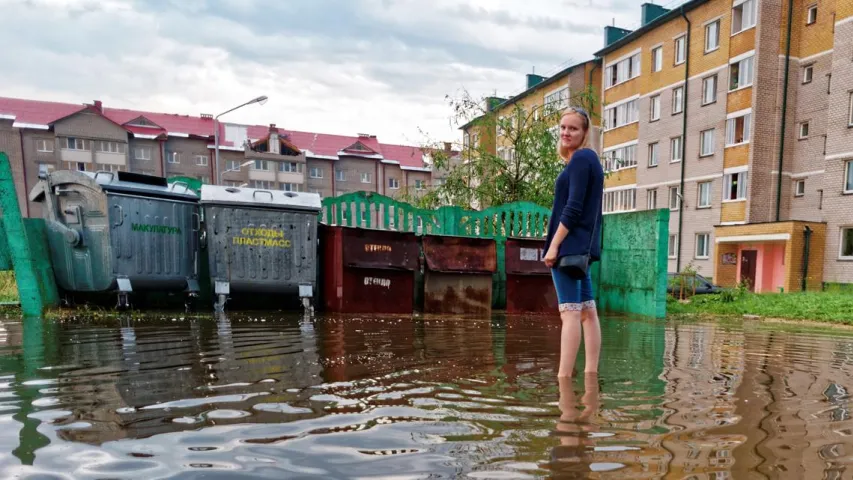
pixel 738 116
pixel 42 136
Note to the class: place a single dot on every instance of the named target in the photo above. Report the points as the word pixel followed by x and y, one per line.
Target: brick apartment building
pixel 43 136
pixel 692 107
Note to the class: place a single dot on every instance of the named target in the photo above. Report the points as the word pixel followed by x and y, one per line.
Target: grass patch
pixel 833 307
pixel 8 287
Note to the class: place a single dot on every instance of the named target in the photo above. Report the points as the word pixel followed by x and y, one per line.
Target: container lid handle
pixel 255 193
pixel 111 174
pixel 178 182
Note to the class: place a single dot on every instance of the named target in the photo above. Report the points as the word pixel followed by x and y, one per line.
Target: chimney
pixel 533 80
pixel 650 12
pixel 448 147
pixel 99 106
pixel 275 143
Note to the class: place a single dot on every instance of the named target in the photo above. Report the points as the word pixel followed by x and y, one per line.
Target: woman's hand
pixel 550 257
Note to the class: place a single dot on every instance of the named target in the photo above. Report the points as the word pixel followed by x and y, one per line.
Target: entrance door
pixel 748 264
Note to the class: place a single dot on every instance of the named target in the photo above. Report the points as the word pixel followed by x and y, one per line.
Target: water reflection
pixel 335 397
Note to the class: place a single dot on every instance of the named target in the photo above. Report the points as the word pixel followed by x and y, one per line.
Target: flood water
pixel 262 397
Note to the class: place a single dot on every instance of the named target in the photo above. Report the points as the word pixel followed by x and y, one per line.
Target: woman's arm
pixel 572 211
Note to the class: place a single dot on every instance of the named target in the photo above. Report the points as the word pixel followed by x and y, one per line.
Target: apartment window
pixel 741 73
pixel 393 183
pixel 743 15
pixel 291 167
pixel 142 153
pixel 846 251
pixel 652 199
pixel 340 175
pixel 623 70
pixel 619 158
pixel 672 251
pixel 677 100
pixel 680 50
pixel 558 100
pixel 653 154
pixel 657 59
pixel 72 143
pixel 232 165
pixel 366 177
pixel 811 15
pixel 673 198
pixel 264 184
pixel 712 36
pixel 654 108
pixel 232 183
pixel 44 146
pixel 799 188
pixel 201 160
pixel 804 129
pixel 315 172
pixel 848 177
pixel 420 184
pixel 737 130
pixel 111 147
pixel 675 149
pixel 621 115
pixel 173 157
pixel 620 200
pixel 706 143
pixel 704 195
pixel 735 187
pixel 703 245
pixel 850 110
pixel 709 90
pixel 79 166
pixel 262 165
pixel 808 73
pixel 291 187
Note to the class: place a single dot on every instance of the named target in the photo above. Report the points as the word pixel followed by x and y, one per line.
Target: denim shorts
pixel 572 294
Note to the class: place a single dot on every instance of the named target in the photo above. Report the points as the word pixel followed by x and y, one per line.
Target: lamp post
pixel 244 164
pixel 262 100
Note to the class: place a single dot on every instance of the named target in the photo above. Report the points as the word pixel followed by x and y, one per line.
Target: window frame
pixel 742 186
pixel 808 73
pixel 799 192
pixel 716 83
pixel 811 19
pixel 848 178
pixel 680 109
pixel 842 230
pixel 673 150
pixel 710 195
pixel 679 40
pixel 653 146
pixel 655 99
pixel 703 143
pixel 708 25
pixel 754 13
pixel 707 245
pixel 674 192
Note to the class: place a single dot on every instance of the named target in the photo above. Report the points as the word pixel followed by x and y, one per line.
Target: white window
pixel 142 153
pixel 44 146
pixel 365 177
pixel 291 167
pixel 734 187
pixel 620 158
pixel 741 73
pixel 673 246
pixel 712 36
pixel 261 165
pixel 652 199
pixel 654 108
pixel 846 250
pixel 674 200
pixel 675 149
pixel 232 165
pixel 201 160
pixel 265 184
pixel 677 100
pixel 173 157
pixel 44 169
pixel 811 16
pixel 653 154
pixel 743 16
pixel 848 177
pixel 657 59
pixel 393 183
pixel 808 73
pixel 291 187
pixel 316 172
pixel 709 90
pixel 623 71
pixel 804 129
pixel 558 100
pixel 620 200
pixel 621 115
pixel 850 110
pixel 799 188
pixel 111 147
pixel 737 130
pixel 704 195
pixel 72 143
pixel 420 184
pixel 340 175
pixel 706 143
pixel 680 49
pixel 703 245
pixel 79 166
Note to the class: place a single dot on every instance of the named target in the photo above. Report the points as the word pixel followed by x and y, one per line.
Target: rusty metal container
pixel 368 271
pixel 458 274
pixel 529 287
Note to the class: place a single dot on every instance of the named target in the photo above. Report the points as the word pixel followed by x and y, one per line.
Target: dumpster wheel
pixel 219 306
pixel 123 301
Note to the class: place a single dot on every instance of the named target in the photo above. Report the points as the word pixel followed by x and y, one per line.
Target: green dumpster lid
pixel 140 184
pixel 256 197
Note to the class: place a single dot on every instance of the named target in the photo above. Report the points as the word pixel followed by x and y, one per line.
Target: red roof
pixel 43 113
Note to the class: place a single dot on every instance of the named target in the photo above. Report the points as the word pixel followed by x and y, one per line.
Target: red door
pixel 748 265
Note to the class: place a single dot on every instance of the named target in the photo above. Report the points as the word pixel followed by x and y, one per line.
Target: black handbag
pixel 576 266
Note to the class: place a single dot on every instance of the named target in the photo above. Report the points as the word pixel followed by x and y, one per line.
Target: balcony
pixel 76 156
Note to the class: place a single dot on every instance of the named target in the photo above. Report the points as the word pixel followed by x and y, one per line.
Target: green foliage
pixel 815 306
pixel 8 287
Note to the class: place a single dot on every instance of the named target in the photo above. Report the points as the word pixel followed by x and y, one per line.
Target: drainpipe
pixel 589 82
pixel 162 156
pixel 24 171
pixel 806 248
pixel 784 112
pixel 683 141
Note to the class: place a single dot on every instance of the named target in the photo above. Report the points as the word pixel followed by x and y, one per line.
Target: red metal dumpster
pixel 368 271
pixel 458 274
pixel 529 288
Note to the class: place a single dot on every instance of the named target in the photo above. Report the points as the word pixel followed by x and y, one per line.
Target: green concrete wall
pixel 5 259
pixel 632 274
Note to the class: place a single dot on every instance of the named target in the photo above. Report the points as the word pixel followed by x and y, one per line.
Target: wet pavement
pixel 254 396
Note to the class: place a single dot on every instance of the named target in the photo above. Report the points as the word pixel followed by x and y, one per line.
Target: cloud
pixel 335 66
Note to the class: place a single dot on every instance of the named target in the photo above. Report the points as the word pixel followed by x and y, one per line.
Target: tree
pixel 516 159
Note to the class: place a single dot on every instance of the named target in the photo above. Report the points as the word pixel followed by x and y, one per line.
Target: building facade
pixel 41 136
pixel 737 115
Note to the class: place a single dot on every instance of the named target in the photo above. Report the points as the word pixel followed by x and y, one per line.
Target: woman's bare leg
pixel 591 338
pixel 570 339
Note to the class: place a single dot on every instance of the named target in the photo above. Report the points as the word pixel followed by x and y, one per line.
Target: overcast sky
pixel 333 66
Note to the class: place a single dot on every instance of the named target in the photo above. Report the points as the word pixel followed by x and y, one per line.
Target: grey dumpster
pixel 260 241
pixel 120 232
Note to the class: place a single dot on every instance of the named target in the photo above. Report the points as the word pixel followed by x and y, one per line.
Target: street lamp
pixel 244 164
pixel 262 100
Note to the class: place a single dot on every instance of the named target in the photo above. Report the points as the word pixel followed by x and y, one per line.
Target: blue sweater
pixel 578 195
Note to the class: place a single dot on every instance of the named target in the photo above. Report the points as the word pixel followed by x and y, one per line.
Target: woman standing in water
pixel 575 229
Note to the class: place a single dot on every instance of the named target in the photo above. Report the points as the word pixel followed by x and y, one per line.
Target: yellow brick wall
pixel 733 212
pixel 621 135
pixel 736 156
pixel 817 37
pixel 742 42
pixel 621 178
pixel 725 275
pixel 700 61
pixel 843 9
pixel 739 99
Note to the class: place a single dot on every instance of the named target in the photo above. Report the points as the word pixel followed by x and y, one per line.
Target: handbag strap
pixel 592 233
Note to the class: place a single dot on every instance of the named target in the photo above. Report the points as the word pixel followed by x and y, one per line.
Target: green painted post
pixel 30 258
pixel 5 259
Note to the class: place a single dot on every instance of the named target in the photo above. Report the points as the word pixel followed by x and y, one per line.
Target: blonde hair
pixel 563 150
